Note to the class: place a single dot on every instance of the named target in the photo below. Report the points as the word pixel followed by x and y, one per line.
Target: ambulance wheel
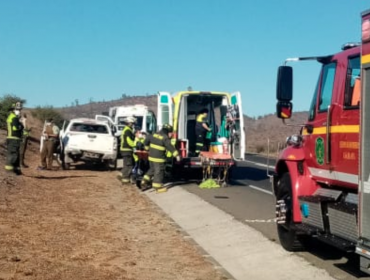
pixel 288 237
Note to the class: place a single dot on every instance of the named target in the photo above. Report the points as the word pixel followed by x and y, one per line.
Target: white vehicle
pixel 146 120
pixel 88 140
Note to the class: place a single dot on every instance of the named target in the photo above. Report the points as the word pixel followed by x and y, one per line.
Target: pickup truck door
pixel 238 147
pixel 109 121
pixel 164 109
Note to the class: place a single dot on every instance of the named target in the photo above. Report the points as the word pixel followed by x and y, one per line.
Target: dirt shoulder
pixel 83 224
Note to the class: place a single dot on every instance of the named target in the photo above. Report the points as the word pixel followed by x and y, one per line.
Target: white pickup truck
pixel 88 140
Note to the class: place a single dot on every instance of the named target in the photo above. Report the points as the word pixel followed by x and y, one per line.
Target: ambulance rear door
pixel 238 145
pixel 164 109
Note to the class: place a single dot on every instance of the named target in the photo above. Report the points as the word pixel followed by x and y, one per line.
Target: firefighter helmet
pixel 167 127
pixel 16 106
pixel 130 120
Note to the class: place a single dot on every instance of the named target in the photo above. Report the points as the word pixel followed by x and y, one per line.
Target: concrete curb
pixel 236 249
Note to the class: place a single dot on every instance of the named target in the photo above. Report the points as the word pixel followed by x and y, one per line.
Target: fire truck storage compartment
pixel 190 106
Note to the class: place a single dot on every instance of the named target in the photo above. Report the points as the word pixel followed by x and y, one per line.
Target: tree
pixel 5 105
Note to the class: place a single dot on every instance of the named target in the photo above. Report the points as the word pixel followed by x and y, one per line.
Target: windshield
pixel 325 84
pixel 91 128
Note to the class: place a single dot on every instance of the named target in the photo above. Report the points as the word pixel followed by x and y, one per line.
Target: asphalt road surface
pixel 249 199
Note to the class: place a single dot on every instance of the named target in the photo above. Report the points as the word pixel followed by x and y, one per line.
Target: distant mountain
pixel 258 130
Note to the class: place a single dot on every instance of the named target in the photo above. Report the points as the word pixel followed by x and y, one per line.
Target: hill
pixel 258 130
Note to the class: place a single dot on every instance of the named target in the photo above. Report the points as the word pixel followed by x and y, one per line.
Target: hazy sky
pixel 55 51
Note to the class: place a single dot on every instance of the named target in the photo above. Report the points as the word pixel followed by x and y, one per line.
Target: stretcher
pixel 216 166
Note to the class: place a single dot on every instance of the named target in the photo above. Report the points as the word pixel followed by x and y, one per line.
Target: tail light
pixel 115 144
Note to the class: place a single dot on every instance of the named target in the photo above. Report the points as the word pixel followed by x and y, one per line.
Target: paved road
pixel 249 199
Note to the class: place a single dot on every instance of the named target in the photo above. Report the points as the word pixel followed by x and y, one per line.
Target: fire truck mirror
pixel 284 109
pixel 284 85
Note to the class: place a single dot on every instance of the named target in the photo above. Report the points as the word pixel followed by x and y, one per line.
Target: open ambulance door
pixel 164 109
pixel 238 146
pixel 109 121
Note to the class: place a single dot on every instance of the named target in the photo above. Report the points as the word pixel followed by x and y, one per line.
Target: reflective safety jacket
pixel 158 144
pixel 14 127
pixel 127 140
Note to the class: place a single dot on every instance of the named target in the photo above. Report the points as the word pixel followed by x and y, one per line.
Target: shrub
pixel 48 112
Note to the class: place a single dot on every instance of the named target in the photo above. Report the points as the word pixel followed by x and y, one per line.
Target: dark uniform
pixel 158 144
pixel 200 133
pixel 13 141
pixel 127 152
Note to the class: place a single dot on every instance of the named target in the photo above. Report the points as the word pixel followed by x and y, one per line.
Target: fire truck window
pixel 327 86
pixel 352 89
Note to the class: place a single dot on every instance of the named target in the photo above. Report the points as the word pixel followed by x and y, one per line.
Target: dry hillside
pixel 258 130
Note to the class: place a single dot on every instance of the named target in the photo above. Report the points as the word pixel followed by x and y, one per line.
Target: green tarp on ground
pixel 209 184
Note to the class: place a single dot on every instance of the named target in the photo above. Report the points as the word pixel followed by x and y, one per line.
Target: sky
pixel 54 52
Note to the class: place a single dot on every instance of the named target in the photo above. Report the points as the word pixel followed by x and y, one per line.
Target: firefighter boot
pixel 161 190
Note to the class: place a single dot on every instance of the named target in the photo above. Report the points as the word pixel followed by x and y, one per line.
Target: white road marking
pixel 260 189
pixel 261 164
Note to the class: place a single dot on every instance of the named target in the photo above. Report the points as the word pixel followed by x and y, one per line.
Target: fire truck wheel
pixel 289 239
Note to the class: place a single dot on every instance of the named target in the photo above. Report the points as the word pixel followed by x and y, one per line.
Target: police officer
pixel 201 129
pixel 127 148
pixel 157 144
pixel 51 136
pixel 14 138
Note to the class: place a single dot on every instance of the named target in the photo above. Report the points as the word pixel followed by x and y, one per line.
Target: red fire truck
pixel 322 178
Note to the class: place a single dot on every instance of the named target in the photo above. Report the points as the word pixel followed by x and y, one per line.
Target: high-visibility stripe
pixel 146 178
pixel 365 59
pixel 160 160
pixel 334 129
pixel 9 167
pixel 157 147
pixel 157 185
pixel 199 144
pixel 126 149
pixel 175 153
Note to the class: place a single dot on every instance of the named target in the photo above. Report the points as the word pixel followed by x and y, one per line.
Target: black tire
pixel 65 166
pixel 112 164
pixel 289 239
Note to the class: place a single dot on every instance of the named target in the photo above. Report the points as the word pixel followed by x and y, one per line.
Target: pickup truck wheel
pixel 289 239
pixel 65 166
pixel 112 164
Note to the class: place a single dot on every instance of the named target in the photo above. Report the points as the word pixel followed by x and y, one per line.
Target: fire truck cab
pixel 181 109
pixel 316 181
pixel 322 177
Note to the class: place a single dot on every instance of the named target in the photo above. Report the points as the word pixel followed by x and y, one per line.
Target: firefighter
pixel 201 129
pixel 127 148
pixel 14 138
pixel 157 144
pixel 24 142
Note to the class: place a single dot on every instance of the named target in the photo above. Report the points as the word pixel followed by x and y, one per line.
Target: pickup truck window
pixel 91 128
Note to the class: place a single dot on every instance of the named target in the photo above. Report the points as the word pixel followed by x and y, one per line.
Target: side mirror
pixel 284 85
pixel 284 109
